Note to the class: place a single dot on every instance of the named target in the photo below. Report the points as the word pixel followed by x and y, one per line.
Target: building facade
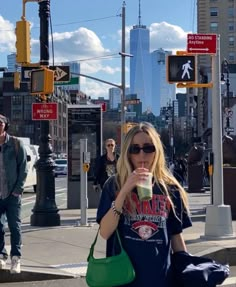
pixel 114 98
pixel 17 106
pixel 217 17
pixel 140 72
pixel 11 63
pixel 162 92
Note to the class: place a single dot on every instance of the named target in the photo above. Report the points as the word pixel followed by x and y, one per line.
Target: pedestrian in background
pixel 105 165
pixel 13 172
pixel 149 230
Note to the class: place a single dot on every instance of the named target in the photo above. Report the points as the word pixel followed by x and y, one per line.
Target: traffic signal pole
pixel 218 216
pixel 45 211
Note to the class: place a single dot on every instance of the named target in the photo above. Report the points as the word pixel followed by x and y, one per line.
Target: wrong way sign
pixel 61 73
pixel 44 111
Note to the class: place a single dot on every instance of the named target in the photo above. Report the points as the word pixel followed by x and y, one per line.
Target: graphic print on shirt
pixel 110 169
pixel 148 218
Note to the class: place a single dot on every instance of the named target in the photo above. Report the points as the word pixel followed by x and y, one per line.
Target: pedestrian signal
pixel 42 81
pixel 181 69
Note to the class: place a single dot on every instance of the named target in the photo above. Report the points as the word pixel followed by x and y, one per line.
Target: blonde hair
pixel 110 140
pixel 161 173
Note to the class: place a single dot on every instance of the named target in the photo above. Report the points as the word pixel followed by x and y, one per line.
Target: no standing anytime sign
pixel 201 43
pixel 44 111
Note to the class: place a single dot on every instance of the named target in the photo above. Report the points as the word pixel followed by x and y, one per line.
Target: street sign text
pixel 201 43
pixel 44 111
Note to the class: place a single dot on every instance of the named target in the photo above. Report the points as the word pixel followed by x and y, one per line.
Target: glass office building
pixel 140 73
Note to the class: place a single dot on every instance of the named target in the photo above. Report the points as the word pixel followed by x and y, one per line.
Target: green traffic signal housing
pixel 42 81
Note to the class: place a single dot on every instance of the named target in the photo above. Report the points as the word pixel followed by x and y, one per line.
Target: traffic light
pixel 128 126
pixel 181 69
pixel 42 81
pixel 16 80
pixel 22 41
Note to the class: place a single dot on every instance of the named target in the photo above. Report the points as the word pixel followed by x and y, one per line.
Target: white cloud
pixel 75 45
pixel 83 45
pixel 93 88
pixel 167 36
pixel 7 36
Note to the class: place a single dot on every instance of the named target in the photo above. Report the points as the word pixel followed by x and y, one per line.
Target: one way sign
pixel 61 73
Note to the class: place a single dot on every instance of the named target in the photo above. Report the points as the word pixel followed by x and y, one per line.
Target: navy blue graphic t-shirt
pixel 146 232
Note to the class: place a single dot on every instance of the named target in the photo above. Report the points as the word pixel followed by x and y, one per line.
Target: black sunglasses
pixel 135 149
pixel 110 145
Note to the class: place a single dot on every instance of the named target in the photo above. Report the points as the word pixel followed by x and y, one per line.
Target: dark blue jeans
pixel 11 207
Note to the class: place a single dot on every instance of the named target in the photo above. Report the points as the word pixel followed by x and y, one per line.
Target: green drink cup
pixel 144 188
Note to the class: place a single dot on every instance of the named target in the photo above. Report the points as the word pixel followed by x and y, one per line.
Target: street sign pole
pixel 45 211
pixel 218 216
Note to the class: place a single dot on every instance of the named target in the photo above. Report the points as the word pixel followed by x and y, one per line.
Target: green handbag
pixel 110 271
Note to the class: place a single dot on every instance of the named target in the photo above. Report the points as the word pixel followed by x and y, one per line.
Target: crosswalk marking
pixel 79 269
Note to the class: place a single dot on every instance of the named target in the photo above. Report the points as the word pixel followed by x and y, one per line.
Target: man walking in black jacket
pixel 105 165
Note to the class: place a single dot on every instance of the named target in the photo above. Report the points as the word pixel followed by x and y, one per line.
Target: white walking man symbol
pixel 186 67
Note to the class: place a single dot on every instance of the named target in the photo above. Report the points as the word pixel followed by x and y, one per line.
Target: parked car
pixel 32 157
pixel 60 167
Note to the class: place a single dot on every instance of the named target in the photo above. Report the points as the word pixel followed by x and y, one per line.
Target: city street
pixel 197 201
pixel 75 241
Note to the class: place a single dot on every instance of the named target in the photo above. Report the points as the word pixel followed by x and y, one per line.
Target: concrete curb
pixel 32 275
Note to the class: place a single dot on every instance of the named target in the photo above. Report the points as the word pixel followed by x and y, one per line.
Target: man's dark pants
pixel 11 207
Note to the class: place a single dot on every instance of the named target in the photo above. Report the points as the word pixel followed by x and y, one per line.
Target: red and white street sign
pixel 44 111
pixel 102 104
pixel 201 43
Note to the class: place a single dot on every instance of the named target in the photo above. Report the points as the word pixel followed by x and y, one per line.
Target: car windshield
pixel 60 161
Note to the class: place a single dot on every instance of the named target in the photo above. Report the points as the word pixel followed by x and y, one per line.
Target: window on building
pixel 231 41
pixel 231 26
pixel 214 27
pixel 213 11
pixel 28 100
pixel 231 56
pixel 28 114
pixel 29 129
pixel 17 100
pixel 231 12
pixel 16 114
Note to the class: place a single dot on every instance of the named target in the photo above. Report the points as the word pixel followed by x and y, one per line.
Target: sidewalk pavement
pixel 62 251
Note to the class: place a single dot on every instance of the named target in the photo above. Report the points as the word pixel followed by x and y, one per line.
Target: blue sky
pixel 85 31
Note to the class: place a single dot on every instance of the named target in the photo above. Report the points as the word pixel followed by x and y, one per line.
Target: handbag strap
pixel 95 240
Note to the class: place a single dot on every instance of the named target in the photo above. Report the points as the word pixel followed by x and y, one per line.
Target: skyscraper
pixel 114 98
pixel 140 73
pixel 11 63
pixel 162 92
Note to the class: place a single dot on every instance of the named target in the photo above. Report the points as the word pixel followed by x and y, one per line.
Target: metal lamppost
pixel 45 211
pixel 225 69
